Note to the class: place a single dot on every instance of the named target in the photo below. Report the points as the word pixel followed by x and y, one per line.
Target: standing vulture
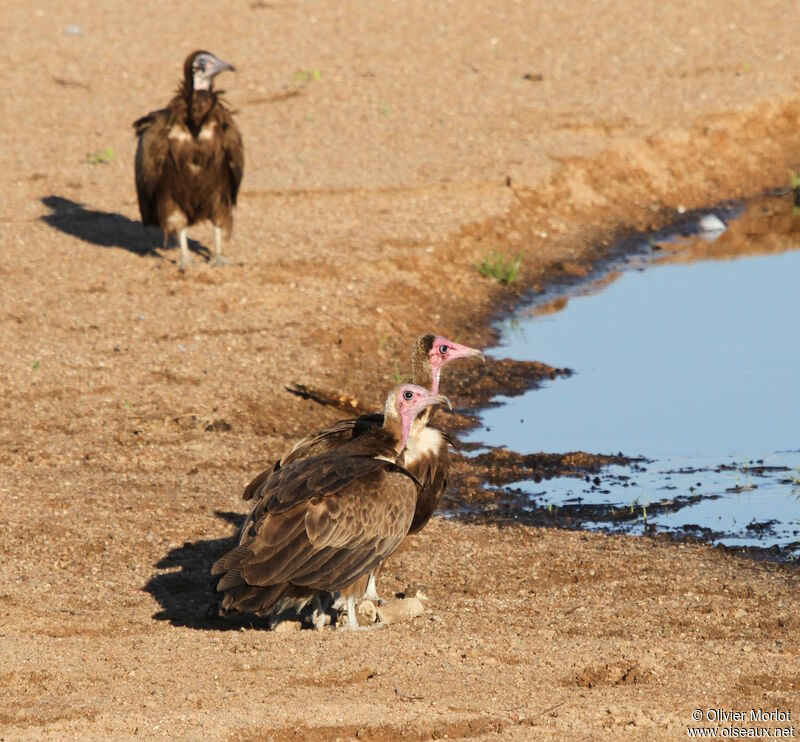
pixel 427 455
pixel 322 524
pixel 190 159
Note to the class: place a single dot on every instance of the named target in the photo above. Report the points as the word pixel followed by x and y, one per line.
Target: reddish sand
pixel 389 147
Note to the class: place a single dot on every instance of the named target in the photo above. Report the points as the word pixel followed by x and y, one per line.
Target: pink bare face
pixel 411 400
pixel 443 351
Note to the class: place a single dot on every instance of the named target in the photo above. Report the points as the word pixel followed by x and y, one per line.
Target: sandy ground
pixel 390 147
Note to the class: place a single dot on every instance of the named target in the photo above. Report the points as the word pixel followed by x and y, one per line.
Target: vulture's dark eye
pixel 443 349
pixel 408 394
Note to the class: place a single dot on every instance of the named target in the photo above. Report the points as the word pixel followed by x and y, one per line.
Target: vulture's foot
pixel 219 260
pixel 185 263
pixel 364 616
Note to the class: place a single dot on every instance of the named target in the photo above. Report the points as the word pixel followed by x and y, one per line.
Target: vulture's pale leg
pixel 219 258
pixel 371 593
pixel 319 614
pixel 186 258
pixel 352 619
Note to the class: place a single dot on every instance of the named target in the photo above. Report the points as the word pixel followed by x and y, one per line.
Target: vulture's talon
pixel 219 260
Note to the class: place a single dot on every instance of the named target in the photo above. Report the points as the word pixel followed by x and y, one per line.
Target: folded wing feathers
pixel 320 524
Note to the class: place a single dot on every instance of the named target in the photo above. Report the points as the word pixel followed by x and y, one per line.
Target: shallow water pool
pixel 688 359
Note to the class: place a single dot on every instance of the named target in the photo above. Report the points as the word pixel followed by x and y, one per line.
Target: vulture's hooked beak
pixel 432 400
pixel 220 65
pixel 464 351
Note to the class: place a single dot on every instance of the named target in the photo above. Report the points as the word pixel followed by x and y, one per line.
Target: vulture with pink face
pixel 322 524
pixel 427 454
pixel 190 159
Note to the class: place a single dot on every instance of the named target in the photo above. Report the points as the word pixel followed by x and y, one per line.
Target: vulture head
pixel 431 353
pixel 404 403
pixel 200 69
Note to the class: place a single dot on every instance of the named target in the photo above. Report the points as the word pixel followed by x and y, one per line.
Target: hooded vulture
pixel 427 454
pixel 324 523
pixel 190 159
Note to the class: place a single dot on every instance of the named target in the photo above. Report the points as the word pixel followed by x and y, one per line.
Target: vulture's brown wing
pixel 328 542
pixel 233 147
pixel 253 490
pixel 329 438
pixel 282 489
pixel 151 154
pixel 319 476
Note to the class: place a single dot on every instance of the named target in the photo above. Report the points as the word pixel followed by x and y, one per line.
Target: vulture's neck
pixel 423 443
pixel 423 373
pixel 424 376
pixel 198 105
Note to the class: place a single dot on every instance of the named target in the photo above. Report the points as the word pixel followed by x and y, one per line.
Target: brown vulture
pixel 322 524
pixel 427 455
pixel 190 159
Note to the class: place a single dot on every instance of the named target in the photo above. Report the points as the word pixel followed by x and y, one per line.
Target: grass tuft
pixel 100 157
pixel 501 268
pixel 307 75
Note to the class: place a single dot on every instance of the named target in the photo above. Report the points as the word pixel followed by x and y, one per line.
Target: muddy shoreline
pixel 493 499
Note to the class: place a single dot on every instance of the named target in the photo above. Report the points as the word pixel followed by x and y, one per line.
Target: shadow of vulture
pixel 106 229
pixel 187 595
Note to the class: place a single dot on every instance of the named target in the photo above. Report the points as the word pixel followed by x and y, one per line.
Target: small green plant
pixel 794 180
pixel 100 157
pixel 398 377
pixel 36 365
pixel 385 109
pixel 501 268
pixel 307 75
